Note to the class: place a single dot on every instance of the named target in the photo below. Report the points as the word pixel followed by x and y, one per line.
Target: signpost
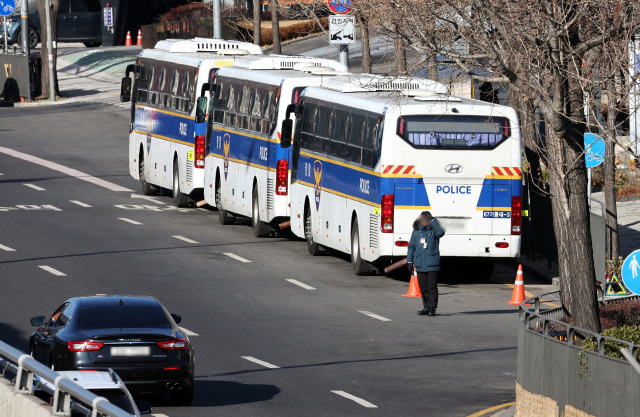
pixel 631 272
pixel 6 9
pixel 342 7
pixel 594 154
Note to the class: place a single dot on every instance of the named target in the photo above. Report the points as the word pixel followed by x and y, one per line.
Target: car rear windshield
pixel 446 131
pixel 109 317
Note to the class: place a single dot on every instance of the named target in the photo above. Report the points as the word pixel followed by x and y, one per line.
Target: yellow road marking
pixel 490 409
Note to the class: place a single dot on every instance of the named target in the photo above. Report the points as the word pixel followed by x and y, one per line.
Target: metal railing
pixel 552 362
pixel 25 367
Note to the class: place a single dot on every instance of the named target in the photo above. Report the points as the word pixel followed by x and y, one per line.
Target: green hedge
pixel 611 348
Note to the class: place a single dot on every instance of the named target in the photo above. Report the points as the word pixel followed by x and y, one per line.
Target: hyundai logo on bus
pixel 453 168
pixel 454 189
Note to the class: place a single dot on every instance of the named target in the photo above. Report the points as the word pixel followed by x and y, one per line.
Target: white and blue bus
pixel 166 135
pixel 366 161
pixel 246 171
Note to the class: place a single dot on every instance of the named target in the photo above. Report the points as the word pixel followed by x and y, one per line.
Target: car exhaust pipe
pixel 170 385
pixel 178 385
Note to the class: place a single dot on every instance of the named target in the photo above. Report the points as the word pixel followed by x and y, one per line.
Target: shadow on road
pixel 15 337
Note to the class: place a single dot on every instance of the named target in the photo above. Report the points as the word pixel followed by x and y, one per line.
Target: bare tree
pixel 257 22
pixel 537 48
pixel 44 73
pixel 275 27
pixel 367 64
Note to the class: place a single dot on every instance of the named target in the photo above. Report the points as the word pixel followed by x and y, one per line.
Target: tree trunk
pixel 275 27
pixel 571 225
pixel 400 56
pixel 257 21
pixel 367 64
pixel 613 241
pixel 44 73
pixel 432 67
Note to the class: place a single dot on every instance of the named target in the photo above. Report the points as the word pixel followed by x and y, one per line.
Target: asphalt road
pixel 454 364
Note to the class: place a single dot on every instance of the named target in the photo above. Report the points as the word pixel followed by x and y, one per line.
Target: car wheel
pixel 260 228
pixel 146 187
pixel 34 38
pixel 314 248
pixel 183 396
pixel 92 44
pixel 224 216
pixel 360 266
pixel 179 199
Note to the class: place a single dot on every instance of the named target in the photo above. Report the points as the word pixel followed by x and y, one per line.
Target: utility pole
pixel 217 21
pixel 344 55
pixel 24 23
pixel 52 80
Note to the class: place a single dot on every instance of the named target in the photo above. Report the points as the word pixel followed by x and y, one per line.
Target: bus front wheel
pixel 224 216
pixel 360 266
pixel 314 248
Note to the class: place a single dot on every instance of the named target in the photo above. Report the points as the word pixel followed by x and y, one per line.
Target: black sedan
pixel 134 336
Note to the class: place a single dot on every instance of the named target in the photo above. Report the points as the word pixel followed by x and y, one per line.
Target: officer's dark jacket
pixel 425 260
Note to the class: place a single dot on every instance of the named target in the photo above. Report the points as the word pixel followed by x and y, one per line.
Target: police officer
pixel 424 254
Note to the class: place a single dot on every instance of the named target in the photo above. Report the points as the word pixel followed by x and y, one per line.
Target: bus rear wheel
pixel 314 248
pixel 224 216
pixel 360 266
pixel 146 187
pixel 179 199
pixel 260 228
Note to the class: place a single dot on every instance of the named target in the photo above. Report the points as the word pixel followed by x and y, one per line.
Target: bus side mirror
pixel 205 87
pixel 201 109
pixel 125 90
pixel 285 133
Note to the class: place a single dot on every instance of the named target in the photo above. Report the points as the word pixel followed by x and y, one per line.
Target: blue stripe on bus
pixel 498 192
pixel 168 125
pixel 247 148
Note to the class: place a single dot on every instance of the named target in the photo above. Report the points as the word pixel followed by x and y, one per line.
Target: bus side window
pixel 367 141
pixel 256 110
pixel 143 82
pixel 175 99
pixel 322 144
pixel 307 128
pixel 338 146
pixel 354 147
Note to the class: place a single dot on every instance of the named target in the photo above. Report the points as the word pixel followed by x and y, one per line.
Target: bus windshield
pixel 445 131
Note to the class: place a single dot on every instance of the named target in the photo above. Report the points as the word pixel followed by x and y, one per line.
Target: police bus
pixel 246 171
pixel 366 161
pixel 167 128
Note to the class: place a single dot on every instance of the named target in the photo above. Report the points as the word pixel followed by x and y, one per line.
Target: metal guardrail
pixel 25 367
pixel 553 363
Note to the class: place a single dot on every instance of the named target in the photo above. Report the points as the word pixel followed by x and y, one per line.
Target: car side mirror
pixel 201 109
pixel 143 407
pixel 285 133
pixel 38 321
pixel 177 318
pixel 125 90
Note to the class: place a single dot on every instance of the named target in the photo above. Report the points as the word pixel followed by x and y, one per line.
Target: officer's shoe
pixel 431 311
pixel 423 312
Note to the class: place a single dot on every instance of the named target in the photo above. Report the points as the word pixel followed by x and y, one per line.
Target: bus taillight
pixel 282 171
pixel 198 160
pixel 516 215
pixel 387 213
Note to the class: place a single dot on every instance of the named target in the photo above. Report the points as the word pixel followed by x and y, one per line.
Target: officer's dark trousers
pixel 428 282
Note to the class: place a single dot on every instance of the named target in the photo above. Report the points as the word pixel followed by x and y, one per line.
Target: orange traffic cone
pixel 139 41
pixel 414 288
pixel 127 41
pixel 518 289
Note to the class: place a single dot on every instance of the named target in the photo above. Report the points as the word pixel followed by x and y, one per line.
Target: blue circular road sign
pixel 7 7
pixel 631 272
pixel 337 6
pixel 594 146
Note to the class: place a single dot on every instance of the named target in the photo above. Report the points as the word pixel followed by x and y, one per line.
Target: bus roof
pixel 219 46
pixel 287 62
pixel 382 101
pixel 351 83
pixel 189 59
pixel 272 77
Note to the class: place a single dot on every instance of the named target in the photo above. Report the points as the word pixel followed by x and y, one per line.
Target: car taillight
pixel 387 213
pixel 402 243
pixel 502 245
pixel 282 173
pixel 173 344
pixel 516 215
pixel 84 346
pixel 198 160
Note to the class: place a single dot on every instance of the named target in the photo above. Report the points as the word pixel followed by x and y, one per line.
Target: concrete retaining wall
pixel 20 405
pixel 533 405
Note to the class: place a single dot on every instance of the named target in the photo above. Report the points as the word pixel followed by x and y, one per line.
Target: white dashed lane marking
pixel 53 271
pixel 128 220
pixel 159 415
pixel 101 294
pixel 35 187
pixel 375 316
pixel 185 239
pixel 259 362
pixel 236 257
pixel 7 248
pixel 360 401
pixel 300 284
pixel 80 203
pixel 148 198
pixel 188 332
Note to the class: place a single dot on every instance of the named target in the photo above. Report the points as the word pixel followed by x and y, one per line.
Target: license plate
pixel 131 351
